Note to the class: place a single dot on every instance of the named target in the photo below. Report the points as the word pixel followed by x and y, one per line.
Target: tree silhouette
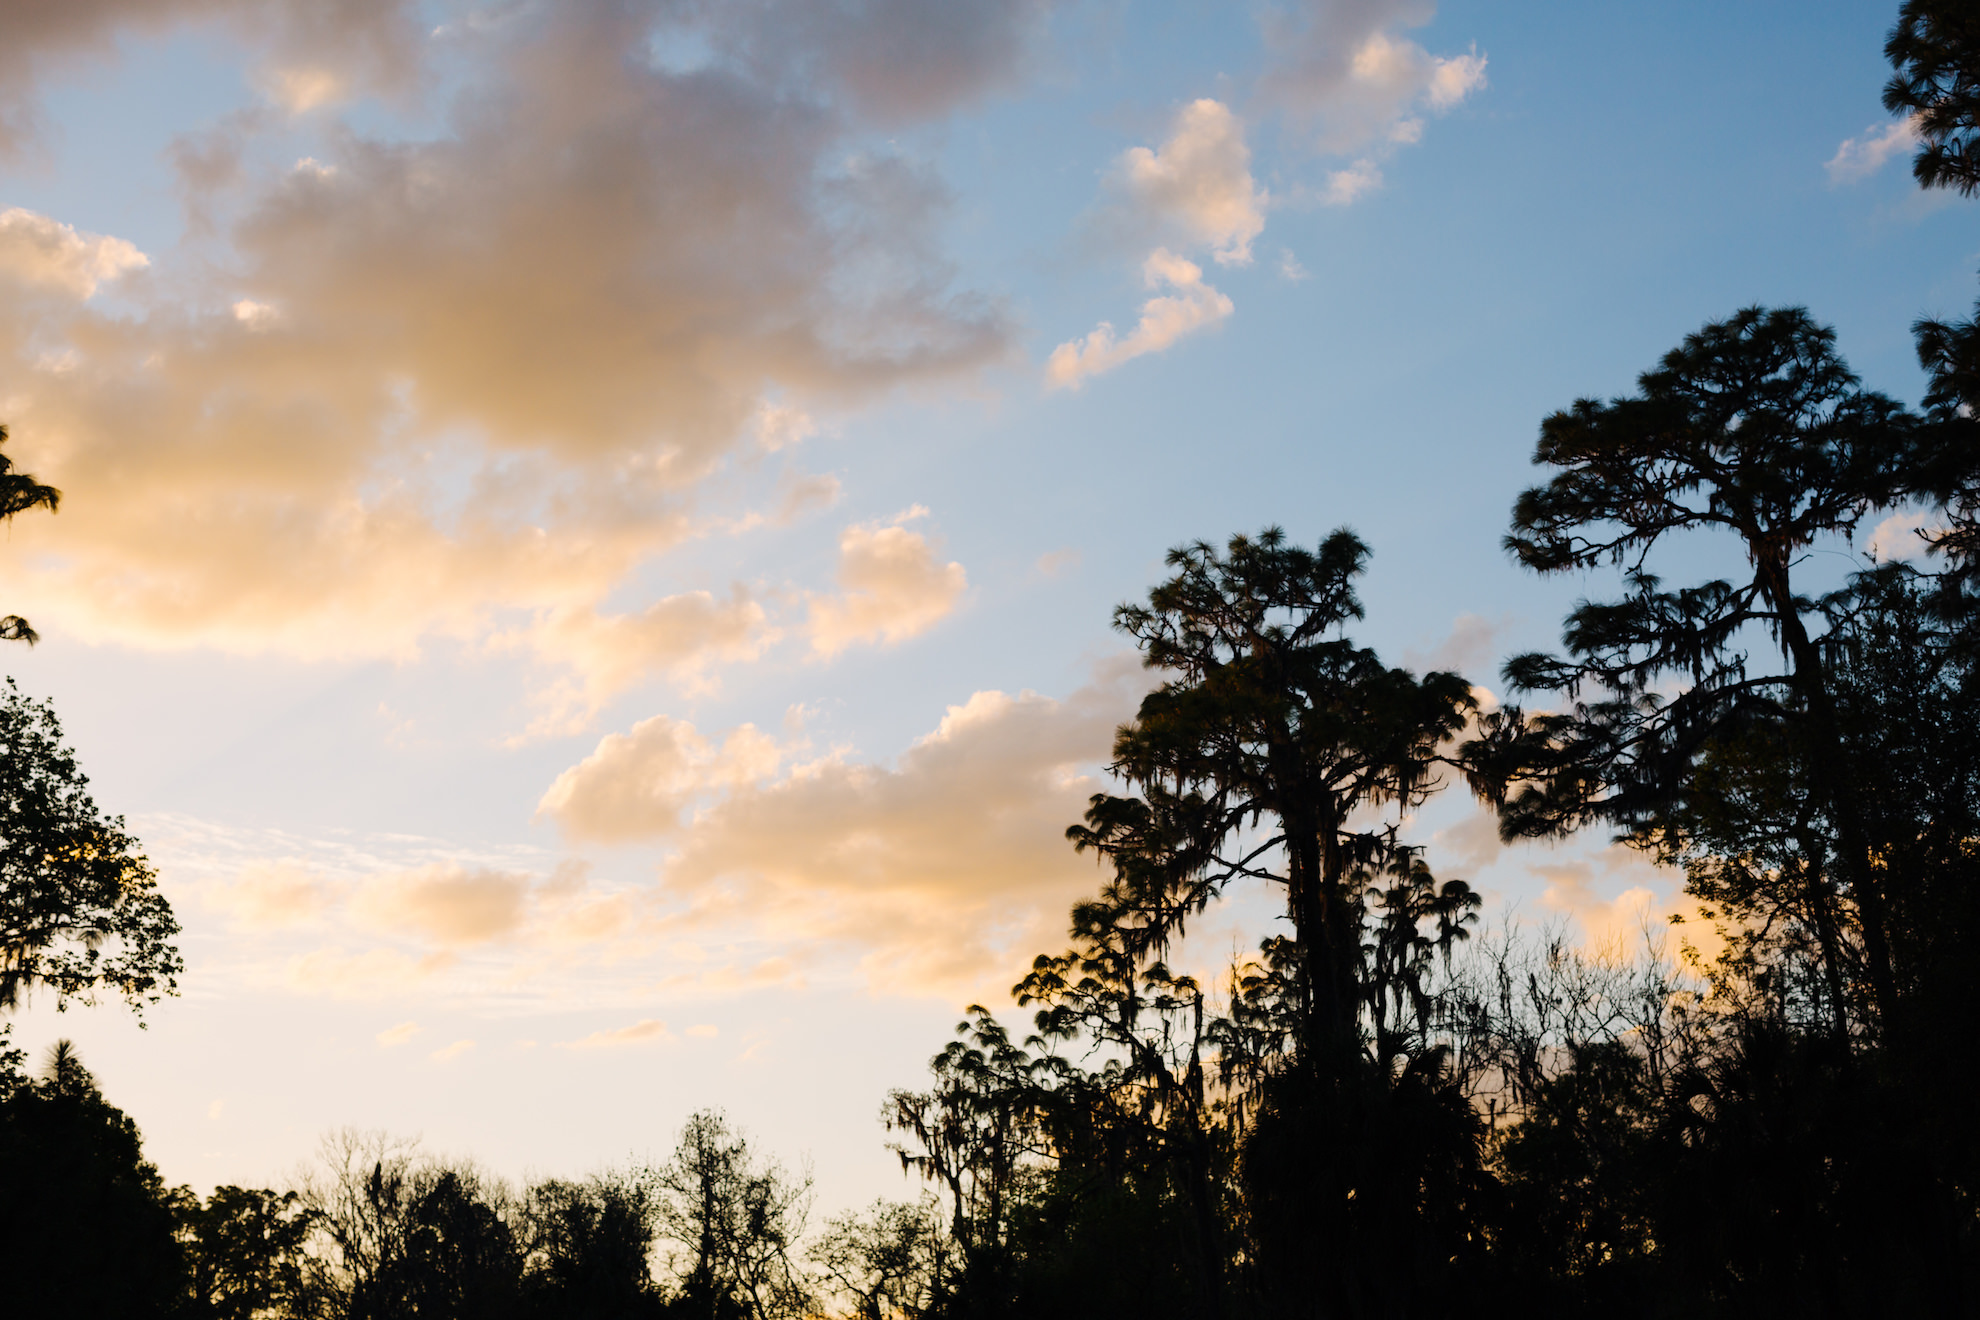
pixel 1935 50
pixel 1752 428
pixel 20 492
pixel 970 1134
pixel 1253 758
pixel 589 1249
pixel 86 1224
pixel 892 1262
pixel 244 1250
pixel 80 910
pixel 738 1219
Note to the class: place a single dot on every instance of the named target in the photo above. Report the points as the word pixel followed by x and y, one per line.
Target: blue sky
pixel 587 550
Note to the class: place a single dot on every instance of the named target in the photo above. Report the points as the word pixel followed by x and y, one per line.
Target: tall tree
pixel 1270 736
pixel 1755 429
pixel 1273 752
pixel 80 910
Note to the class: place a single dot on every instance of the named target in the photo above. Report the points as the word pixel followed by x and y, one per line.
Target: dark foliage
pixel 86 1225
pixel 1935 51
pixel 80 910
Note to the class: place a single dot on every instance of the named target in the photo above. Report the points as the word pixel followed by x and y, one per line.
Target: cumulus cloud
pixel 465 386
pixel 1860 157
pixel 1901 536
pixel 892 584
pixel 1344 69
pixel 638 784
pixel 1165 318
pixel 1199 182
pixel 935 870
pixel 399 1035
pixel 781 425
pixel 37 252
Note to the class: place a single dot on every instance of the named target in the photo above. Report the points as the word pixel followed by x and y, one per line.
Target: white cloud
pixel 1199 182
pixel 367 917
pixel 892 584
pixel 299 90
pixel 1165 318
pixel 1467 649
pixel 40 253
pixel 255 315
pixel 399 1035
pixel 452 1052
pixel 1345 187
pixel 1860 157
pixel 1899 537
pixel 1455 78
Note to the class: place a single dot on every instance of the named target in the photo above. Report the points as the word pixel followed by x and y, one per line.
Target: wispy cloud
pixel 1190 305
pixel 645 1032
pixel 1862 156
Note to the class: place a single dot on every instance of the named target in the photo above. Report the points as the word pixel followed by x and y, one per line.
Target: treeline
pixel 1382 1111
pixel 377 1230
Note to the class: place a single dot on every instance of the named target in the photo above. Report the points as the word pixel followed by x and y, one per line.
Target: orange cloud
pixel 1199 180
pixel 467 386
pixel 893 587
pixel 644 1032
pixel 935 871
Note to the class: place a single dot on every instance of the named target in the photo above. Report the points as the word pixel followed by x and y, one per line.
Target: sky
pixel 589 529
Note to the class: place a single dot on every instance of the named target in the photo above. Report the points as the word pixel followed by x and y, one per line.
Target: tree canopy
pixel 80 909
